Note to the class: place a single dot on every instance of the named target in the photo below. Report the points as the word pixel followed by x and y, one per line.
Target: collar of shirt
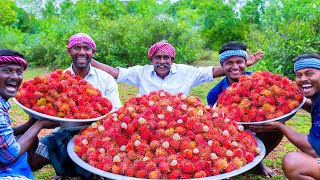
pixel 89 73
pixel 6 104
pixel 173 69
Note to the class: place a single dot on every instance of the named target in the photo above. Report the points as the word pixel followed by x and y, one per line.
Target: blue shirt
pixel 181 78
pixel 213 94
pixel 315 116
pixel 10 148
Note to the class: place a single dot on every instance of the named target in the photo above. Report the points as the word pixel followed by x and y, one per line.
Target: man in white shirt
pixel 164 74
pixel 53 147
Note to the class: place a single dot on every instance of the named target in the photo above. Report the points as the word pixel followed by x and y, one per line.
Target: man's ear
pixel 68 51
pixel 93 51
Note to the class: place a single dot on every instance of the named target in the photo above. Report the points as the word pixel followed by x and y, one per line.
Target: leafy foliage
pixel 287 30
pixel 7 13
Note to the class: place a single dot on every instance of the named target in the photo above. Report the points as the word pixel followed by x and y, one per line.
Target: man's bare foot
pixel 264 170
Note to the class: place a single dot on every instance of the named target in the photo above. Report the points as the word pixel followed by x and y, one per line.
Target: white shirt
pixel 105 83
pixel 181 78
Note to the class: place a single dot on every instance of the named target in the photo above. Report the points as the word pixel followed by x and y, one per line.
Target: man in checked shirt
pixel 18 143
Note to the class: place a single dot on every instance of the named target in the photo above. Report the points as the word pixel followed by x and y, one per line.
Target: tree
pixel 288 28
pixel 7 14
pixel 220 23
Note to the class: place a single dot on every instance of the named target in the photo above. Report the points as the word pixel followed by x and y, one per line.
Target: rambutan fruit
pixel 130 171
pixel 200 174
pixel 164 167
pixel 221 164
pixel 249 156
pixel 156 174
pixel 187 167
pixel 150 166
pixel 175 174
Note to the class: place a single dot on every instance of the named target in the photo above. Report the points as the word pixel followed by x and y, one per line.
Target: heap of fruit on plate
pixel 162 135
pixel 63 95
pixel 260 96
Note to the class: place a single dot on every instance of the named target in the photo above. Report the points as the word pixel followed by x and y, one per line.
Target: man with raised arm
pixel 163 73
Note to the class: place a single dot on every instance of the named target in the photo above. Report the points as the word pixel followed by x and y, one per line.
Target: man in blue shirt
pixel 233 58
pixel 303 164
pixel 17 144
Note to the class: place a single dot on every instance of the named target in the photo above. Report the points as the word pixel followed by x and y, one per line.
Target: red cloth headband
pixel 14 60
pixel 165 47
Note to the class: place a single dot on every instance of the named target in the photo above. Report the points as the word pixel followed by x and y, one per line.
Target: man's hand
pixel 253 58
pixel 267 127
pixel 31 121
pixel 47 124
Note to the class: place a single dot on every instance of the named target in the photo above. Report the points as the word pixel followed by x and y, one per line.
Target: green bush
pixel 126 41
pixel 10 37
pixel 286 32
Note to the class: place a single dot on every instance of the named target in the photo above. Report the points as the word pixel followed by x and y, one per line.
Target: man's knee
pixel 288 162
pixel 37 162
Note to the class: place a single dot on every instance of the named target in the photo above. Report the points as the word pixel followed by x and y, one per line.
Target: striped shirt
pixel 9 147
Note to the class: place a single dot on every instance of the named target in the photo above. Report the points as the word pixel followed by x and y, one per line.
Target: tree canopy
pixel 125 30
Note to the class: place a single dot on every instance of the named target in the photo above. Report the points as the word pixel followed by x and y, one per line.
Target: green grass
pixel 300 122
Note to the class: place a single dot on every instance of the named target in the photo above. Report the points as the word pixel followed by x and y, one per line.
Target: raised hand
pixel 255 57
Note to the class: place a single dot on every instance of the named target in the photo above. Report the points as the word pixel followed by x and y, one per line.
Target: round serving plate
pixel 65 121
pixel 88 167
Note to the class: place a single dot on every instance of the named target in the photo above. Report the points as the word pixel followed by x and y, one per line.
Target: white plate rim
pixel 88 167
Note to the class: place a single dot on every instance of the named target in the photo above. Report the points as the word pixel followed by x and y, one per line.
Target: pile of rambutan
pixel 260 96
pixel 167 136
pixel 63 95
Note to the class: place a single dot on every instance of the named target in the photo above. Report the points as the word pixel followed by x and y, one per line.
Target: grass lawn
pixel 300 122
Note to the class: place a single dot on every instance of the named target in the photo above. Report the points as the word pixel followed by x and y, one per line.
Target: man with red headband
pixel 18 143
pixel 163 73
pixel 53 147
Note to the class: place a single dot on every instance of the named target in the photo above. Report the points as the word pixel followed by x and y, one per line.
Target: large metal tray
pixel 83 164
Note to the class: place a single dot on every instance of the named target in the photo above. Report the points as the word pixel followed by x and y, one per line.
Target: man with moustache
pixel 17 143
pixel 52 149
pixel 163 73
pixel 303 164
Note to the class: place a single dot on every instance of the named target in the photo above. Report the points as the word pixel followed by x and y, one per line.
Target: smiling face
pixel 162 63
pixel 81 55
pixel 10 80
pixel 234 67
pixel 308 80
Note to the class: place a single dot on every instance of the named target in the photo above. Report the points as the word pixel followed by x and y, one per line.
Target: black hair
pixel 307 56
pixel 9 52
pixel 233 45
